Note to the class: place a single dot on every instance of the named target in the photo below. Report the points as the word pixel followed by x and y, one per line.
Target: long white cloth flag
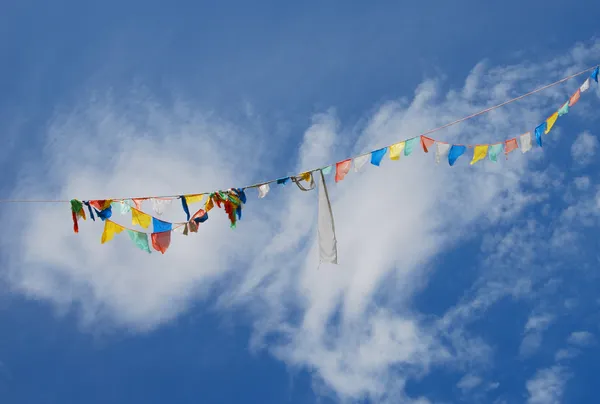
pixel 327 239
pixel 585 86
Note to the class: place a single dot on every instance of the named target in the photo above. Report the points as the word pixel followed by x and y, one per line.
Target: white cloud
pixel 581 338
pixel 582 183
pixel 353 325
pixel 547 386
pixel 584 148
pixel 468 382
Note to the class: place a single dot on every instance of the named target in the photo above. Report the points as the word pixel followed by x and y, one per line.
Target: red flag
pixel 161 241
pixel 341 169
pixel 426 142
pixel 574 98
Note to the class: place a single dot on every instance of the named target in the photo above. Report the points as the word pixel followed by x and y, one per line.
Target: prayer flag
pixel 455 152
pixel 105 213
pixel 495 150
pixel 140 218
pixel 283 181
pixel 440 151
pixel 159 226
pixel 91 212
pixel 341 169
pixel 377 156
pixel 325 225
pixel 190 199
pixel 585 86
pixel 263 190
pixel 564 110
pixel 479 153
pixel 110 229
pixel 396 150
pixel 138 203
pixel 185 207
pixel 550 122
pixel 510 145
pixel 360 161
pixel 140 240
pixel 161 241
pixel 539 131
pixel 595 73
pixel 306 176
pixel 574 98
pixel 77 212
pixel 426 143
pixel 525 142
pixel 159 206
pixel 410 144
pixel 327 170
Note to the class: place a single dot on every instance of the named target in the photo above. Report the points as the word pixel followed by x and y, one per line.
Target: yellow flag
pixel 305 176
pixel 140 218
pixel 396 150
pixel 550 122
pixel 479 153
pixel 193 198
pixel 209 204
pixel 110 229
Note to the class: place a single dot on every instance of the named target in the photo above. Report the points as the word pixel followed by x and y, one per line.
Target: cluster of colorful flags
pixel 232 200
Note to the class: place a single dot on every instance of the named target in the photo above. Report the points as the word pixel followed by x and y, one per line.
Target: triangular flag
pixel 140 239
pixel 574 98
pixel 525 142
pixel 160 205
pixel 263 190
pixel 105 213
pixel 455 152
pixel 190 199
pixel 396 150
pixel 495 150
pixel 110 229
pixel 410 144
pixel 360 161
pixel 550 122
pixel 539 130
pixel 479 153
pixel 161 241
pixel 595 73
pixel 159 226
pixel 101 204
pixel 441 149
pixel 426 143
pixel 510 145
pixel 341 169
pixel 377 156
pixel 327 170
pixel 138 203
pixel 139 218
pixel 585 86
pixel 564 110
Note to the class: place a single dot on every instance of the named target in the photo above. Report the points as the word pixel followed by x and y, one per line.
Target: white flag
pixel 526 142
pixel 360 161
pixel 585 86
pixel 263 190
pixel 441 149
pixel 160 205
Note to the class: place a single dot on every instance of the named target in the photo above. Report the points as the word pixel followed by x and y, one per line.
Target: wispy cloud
pixel 355 325
pixel 584 148
pixel 547 386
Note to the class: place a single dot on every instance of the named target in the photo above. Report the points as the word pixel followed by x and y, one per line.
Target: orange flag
pixel 510 145
pixel 426 142
pixel 341 169
pixel 574 98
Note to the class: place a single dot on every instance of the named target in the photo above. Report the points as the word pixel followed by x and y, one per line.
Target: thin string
pixel 483 111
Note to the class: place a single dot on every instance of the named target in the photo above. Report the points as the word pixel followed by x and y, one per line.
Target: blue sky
pixel 462 284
